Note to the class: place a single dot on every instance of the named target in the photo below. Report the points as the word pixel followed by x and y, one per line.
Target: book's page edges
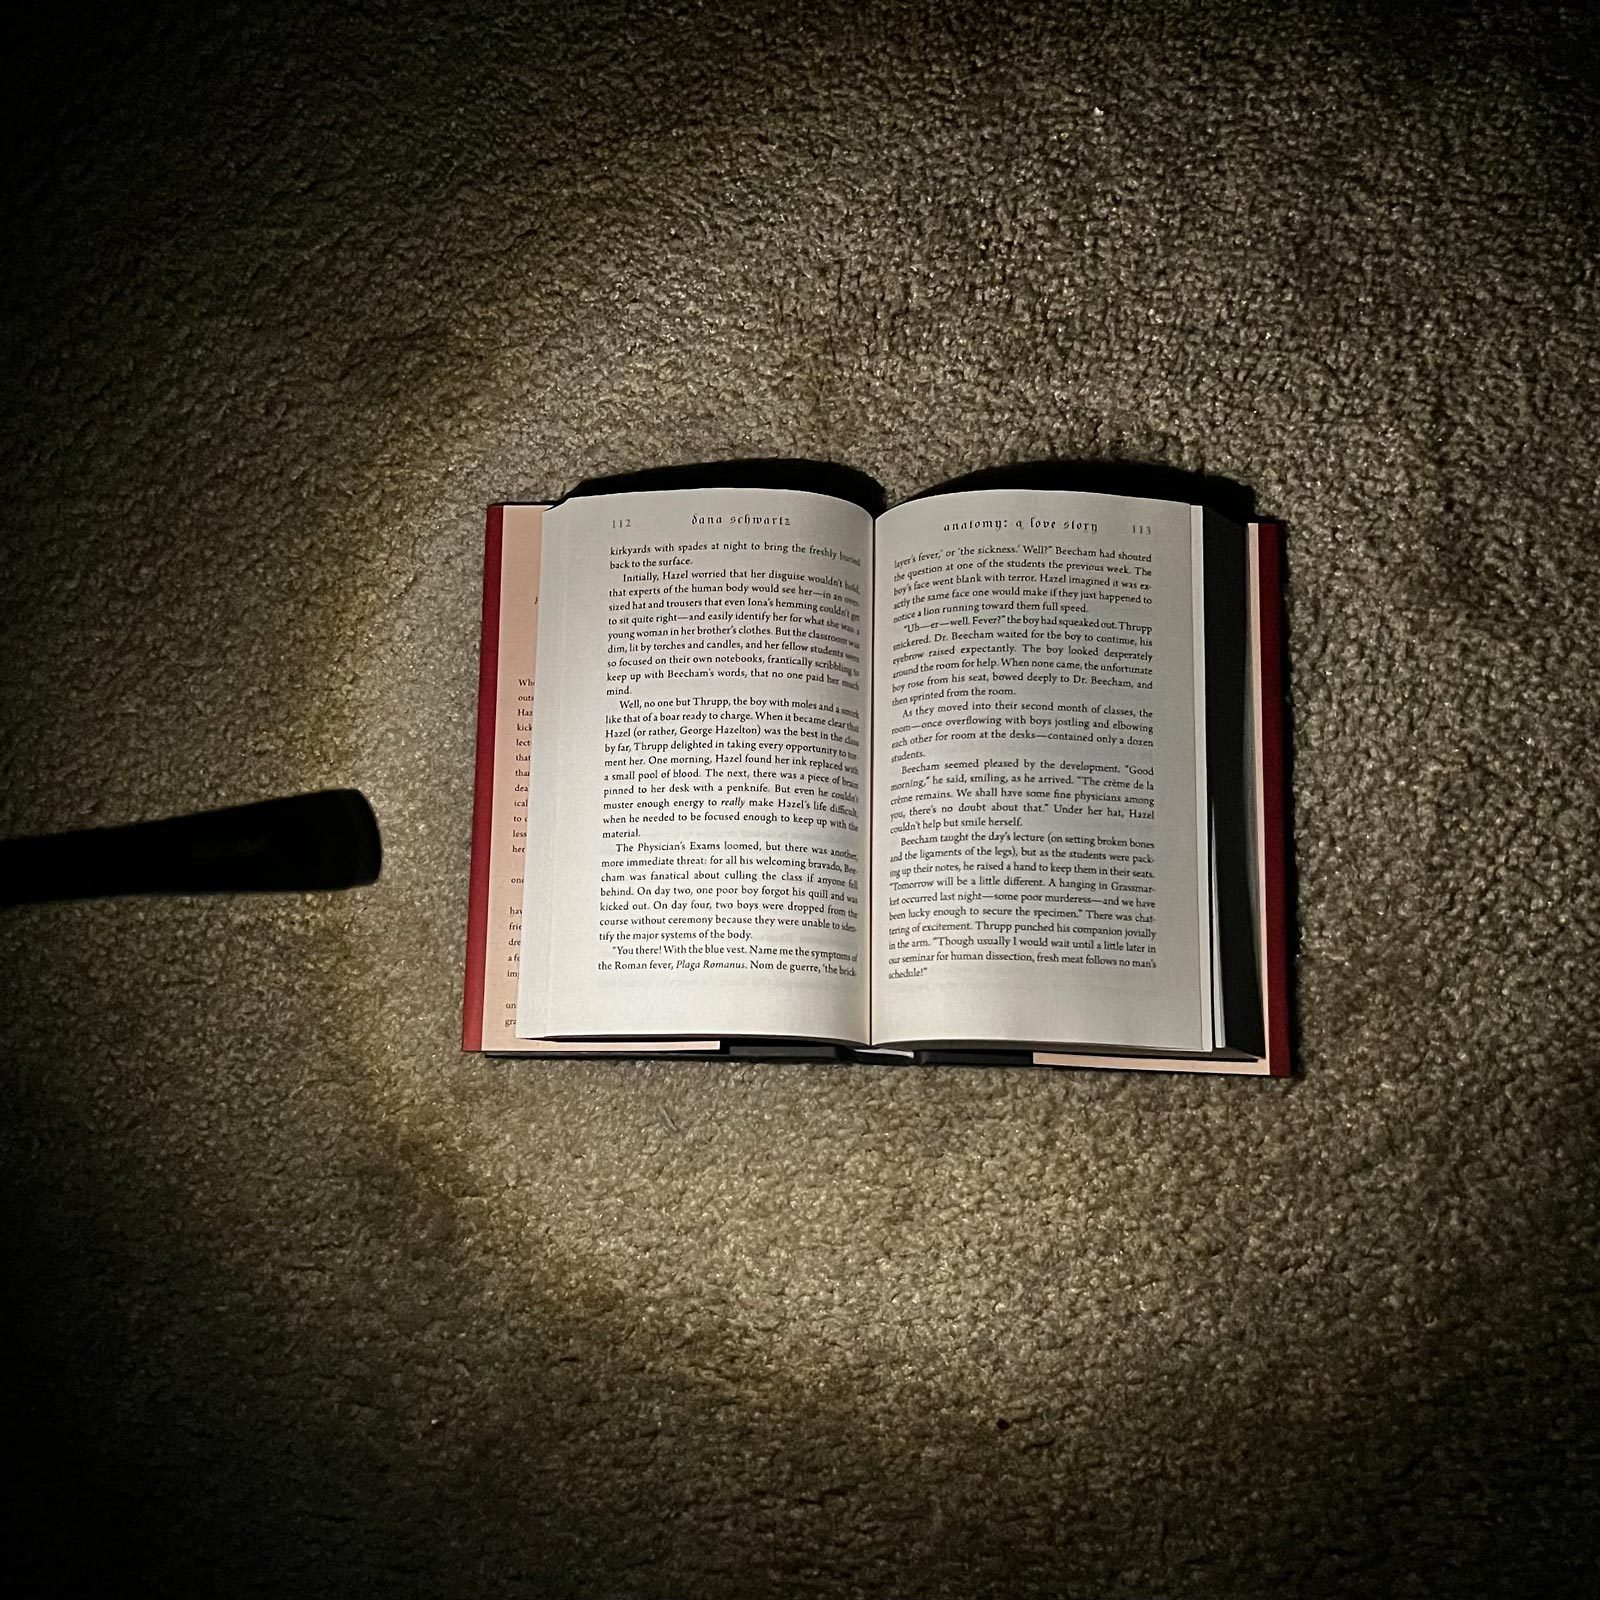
pixel 499 811
pixel 1205 897
pixel 1232 605
pixel 505 716
pixel 1265 665
pixel 478 892
pixel 1237 1069
pixel 513 1046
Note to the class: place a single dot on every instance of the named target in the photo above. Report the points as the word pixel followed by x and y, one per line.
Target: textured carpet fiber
pixel 303 1301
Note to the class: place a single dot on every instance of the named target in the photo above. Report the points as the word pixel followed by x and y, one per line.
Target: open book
pixel 994 775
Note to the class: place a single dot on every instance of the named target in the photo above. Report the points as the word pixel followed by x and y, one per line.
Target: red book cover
pixel 483 789
pixel 1274 811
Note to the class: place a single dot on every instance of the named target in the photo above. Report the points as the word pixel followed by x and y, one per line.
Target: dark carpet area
pixel 302 1301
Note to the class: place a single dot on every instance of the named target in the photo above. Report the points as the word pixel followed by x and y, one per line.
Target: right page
pixel 1040 831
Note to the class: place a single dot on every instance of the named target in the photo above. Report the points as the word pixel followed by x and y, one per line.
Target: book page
pixel 697 836
pixel 1039 787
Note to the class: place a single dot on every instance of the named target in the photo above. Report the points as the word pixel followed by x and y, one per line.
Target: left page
pixel 697 848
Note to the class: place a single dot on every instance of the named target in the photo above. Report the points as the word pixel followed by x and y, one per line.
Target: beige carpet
pixel 307 1303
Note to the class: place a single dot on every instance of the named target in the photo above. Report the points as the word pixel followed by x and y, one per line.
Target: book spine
pixel 483 788
pixel 1275 810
